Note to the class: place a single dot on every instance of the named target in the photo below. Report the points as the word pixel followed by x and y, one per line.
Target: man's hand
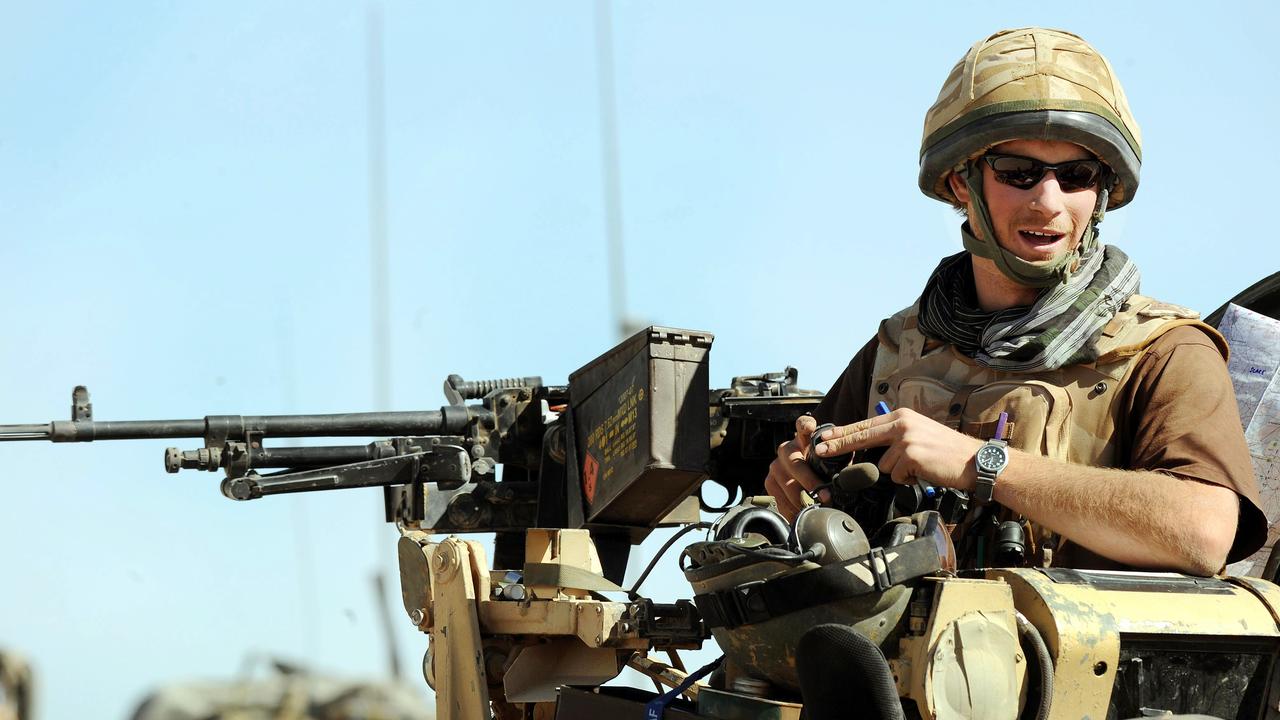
pixel 919 448
pixel 789 474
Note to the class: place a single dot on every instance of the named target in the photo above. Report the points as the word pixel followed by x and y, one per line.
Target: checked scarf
pixel 1059 329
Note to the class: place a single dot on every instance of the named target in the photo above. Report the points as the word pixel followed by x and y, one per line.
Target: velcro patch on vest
pixel 1159 309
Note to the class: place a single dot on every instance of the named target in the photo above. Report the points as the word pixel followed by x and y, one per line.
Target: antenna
pixel 609 159
pixel 379 281
pixel 380 300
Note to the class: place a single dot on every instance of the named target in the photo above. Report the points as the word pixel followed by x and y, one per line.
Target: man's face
pixel 1040 222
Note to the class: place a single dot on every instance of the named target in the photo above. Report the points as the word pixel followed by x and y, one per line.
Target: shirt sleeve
pixel 846 401
pixel 1182 418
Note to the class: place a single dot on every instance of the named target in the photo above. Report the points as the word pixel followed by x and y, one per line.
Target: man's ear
pixel 958 188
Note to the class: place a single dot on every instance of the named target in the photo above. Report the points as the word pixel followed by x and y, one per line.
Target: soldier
pixel 1030 373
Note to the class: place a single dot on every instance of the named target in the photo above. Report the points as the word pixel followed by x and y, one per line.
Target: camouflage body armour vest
pixel 1067 414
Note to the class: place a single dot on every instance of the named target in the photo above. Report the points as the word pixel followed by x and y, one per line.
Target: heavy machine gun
pixel 872 614
pixel 614 451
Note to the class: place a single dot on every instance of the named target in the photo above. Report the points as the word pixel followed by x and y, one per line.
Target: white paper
pixel 1255 353
pixel 1255 357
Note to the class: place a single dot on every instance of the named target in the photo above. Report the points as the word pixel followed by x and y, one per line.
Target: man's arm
pixel 1143 518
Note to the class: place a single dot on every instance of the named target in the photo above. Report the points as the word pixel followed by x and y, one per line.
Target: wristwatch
pixel 991 460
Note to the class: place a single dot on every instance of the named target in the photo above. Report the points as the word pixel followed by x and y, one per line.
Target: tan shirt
pixel 1180 417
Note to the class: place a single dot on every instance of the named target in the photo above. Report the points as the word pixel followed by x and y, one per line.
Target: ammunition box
pixel 641 429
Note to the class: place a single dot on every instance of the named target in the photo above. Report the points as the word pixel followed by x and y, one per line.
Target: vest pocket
pixel 932 398
pixel 1037 411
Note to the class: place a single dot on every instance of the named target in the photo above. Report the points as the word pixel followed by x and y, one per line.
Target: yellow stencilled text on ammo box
pixel 615 438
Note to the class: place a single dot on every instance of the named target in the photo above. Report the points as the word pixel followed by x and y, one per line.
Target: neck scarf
pixel 1059 329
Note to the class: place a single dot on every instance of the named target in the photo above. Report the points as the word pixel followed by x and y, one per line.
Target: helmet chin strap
pixel 1040 274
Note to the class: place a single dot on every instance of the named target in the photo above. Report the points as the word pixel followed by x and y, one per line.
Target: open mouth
pixel 1038 238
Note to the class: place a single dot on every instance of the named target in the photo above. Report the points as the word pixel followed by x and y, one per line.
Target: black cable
pixel 775 554
pixel 667 546
pixel 1031 635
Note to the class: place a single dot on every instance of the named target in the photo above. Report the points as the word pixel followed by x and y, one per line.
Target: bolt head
pixel 417 616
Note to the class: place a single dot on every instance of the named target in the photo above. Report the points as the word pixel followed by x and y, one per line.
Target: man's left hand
pixel 919 448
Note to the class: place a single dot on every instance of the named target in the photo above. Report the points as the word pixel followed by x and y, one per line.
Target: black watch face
pixel 991 458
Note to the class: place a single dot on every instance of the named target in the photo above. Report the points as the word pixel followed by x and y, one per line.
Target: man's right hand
pixel 790 476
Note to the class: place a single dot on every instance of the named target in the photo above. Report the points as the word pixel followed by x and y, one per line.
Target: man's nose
pixel 1047 195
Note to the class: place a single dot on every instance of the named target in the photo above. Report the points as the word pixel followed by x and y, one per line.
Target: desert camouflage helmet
pixel 1030 83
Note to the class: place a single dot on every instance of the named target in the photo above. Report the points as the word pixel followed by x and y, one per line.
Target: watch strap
pixel 985 487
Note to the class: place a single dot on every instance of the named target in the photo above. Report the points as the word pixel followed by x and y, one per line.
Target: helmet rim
pixel 958 142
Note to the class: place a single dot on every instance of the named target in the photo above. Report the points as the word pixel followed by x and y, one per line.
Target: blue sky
pixel 184 209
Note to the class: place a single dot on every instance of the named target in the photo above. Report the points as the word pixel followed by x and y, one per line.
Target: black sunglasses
pixel 1024 172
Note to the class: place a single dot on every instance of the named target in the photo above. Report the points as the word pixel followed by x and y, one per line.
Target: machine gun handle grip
pixel 202 459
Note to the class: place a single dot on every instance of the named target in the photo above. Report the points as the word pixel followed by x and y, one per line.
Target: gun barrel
pixel 448 420
pixel 421 422
pixel 26 432
pixel 88 430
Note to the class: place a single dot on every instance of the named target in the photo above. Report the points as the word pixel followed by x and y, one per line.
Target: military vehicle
pixel 855 610
pixel 271 688
pixel 286 692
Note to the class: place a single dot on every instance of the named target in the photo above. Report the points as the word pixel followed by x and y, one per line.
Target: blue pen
pixel 882 408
